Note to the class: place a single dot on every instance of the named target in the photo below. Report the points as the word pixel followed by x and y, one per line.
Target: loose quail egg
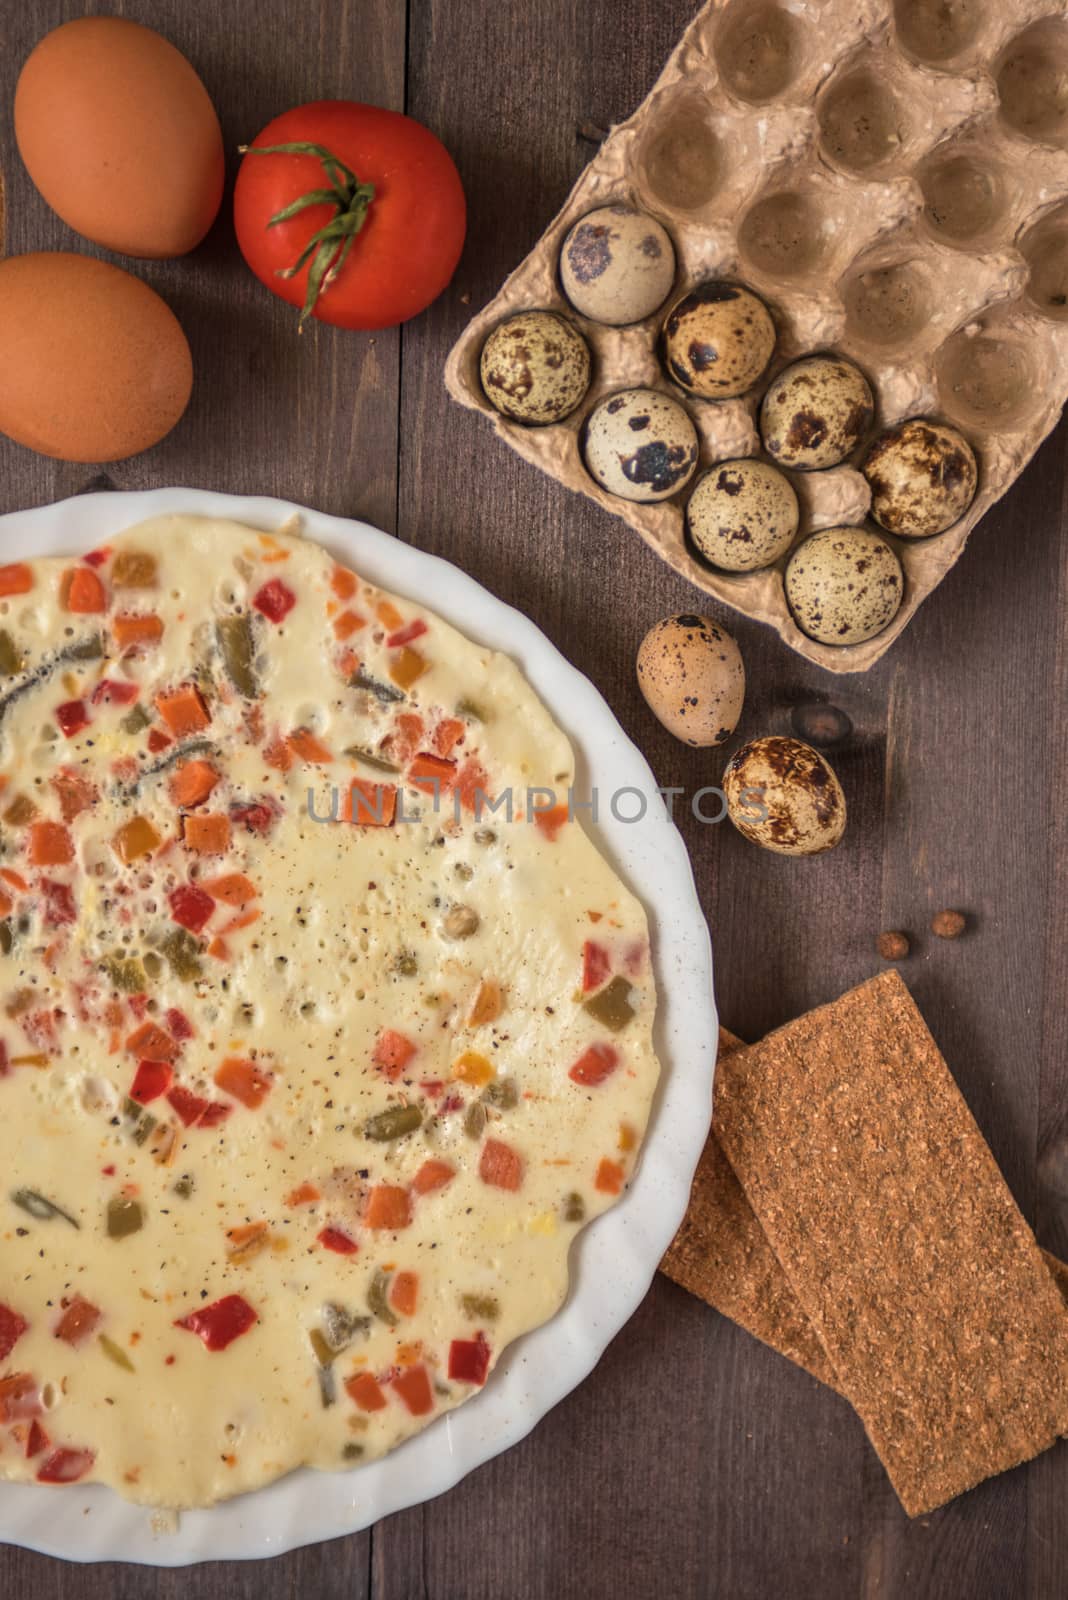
pixel 535 367
pixel 816 413
pixel 617 265
pixel 640 445
pixel 742 515
pixel 691 673
pixel 717 339
pixel 923 478
pixel 844 585
pixel 782 795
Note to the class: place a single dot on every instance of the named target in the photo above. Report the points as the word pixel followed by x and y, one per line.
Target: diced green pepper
pixel 369 759
pixel 143 1121
pixel 574 1208
pixel 238 649
pixel 340 1325
pixel 39 1208
pixel 125 973
pixel 185 1185
pixel 481 1307
pixel 10 658
pixel 182 951
pixel 378 1299
pixel 381 691
pixel 116 1353
pixel 393 1123
pixel 125 1216
pixel 135 720
pixel 502 1093
pixel 475 1120
pixel 323 1353
pixel 611 1006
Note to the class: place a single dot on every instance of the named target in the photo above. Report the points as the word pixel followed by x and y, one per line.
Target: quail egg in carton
pixel 804 318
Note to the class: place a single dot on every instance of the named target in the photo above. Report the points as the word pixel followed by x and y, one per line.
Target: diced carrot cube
pixel 500 1165
pixel 369 805
pixel 431 774
pixel 413 1386
pixel 244 1080
pixel 407 667
pixel 307 747
pixel 388 615
pixel 472 785
pixel 208 834
pixel 50 844
pixel 135 839
pixel 192 782
pixel 183 710
pixel 305 1194
pixel 347 624
pixel 433 1174
pixel 487 1004
pixel 404 1293
pixel 83 591
pixel 364 1388
pixel 277 754
pixel 75 793
pixel 16 578
pixel 388 1206
pixel 609 1179
pixel 233 889
pixel 392 1052
pixel 447 734
pixel 152 1043
pixel 130 630
pixel 344 583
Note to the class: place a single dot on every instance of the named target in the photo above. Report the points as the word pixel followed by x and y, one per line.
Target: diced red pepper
pixel 596 966
pixel 151 1079
pixel 12 1327
pixel 469 1359
pixel 257 816
pixel 157 741
pixel 65 1466
pixel 190 906
pixel 178 1023
pixel 152 1043
pixel 16 578
pixel 75 793
pixel 36 1440
pixel 20 1398
pixel 364 1388
pixel 340 1243
pixel 500 1165
pixel 413 1386
pixel 84 593
pixel 275 600
pixel 609 1178
pixel 59 907
pixel 97 558
pixel 550 821
pixel 77 1322
pixel 392 1052
pixel 407 635
pixel 72 717
pixel 595 1065
pixel 110 692
pixel 5 1072
pixel 49 844
pixel 194 1110
pixel 220 1323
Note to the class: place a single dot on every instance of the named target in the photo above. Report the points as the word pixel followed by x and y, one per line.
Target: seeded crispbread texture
pixel 721 1254
pixel 900 1239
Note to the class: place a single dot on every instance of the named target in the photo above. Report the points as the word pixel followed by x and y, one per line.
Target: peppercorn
pixel 948 924
pixel 892 946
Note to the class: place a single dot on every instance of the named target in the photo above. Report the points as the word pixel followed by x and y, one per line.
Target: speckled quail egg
pixel 717 340
pixel 691 673
pixel 844 585
pixel 742 515
pixel 640 445
pixel 923 478
pixel 782 795
pixel 816 413
pixel 535 367
pixel 617 265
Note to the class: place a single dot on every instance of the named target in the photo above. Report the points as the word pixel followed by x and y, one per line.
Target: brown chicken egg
pixel 691 673
pixel 93 365
pixel 717 340
pixel 782 795
pixel 119 135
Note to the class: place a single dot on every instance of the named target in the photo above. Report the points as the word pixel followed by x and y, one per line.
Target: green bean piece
pixel 238 649
pixel 502 1093
pixel 574 1208
pixel 10 659
pixel 475 1120
pixel 143 1121
pixel 125 973
pixel 135 720
pixel 90 649
pixel 378 1299
pixel 125 1216
pixel 393 1123
pixel 39 1208
pixel 481 1307
pixel 327 1385
pixel 611 1005
pixel 183 954
pixel 381 691
pixel 7 938
pixel 323 1352
pixel 340 1325
pixel 116 1353
pixel 471 710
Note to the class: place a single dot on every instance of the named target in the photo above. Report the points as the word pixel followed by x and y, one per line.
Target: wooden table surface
pixel 694 1462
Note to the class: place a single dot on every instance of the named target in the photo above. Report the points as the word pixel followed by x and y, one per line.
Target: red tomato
pixel 409 243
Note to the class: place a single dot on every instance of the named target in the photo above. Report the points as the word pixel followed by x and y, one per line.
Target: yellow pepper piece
pixel 472 1068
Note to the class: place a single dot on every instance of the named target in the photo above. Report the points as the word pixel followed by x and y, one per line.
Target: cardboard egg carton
pixel 892 177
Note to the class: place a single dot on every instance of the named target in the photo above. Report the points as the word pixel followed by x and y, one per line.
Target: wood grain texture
pixel 694 1464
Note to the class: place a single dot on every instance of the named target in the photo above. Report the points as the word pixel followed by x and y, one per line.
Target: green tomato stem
pixel 329 246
